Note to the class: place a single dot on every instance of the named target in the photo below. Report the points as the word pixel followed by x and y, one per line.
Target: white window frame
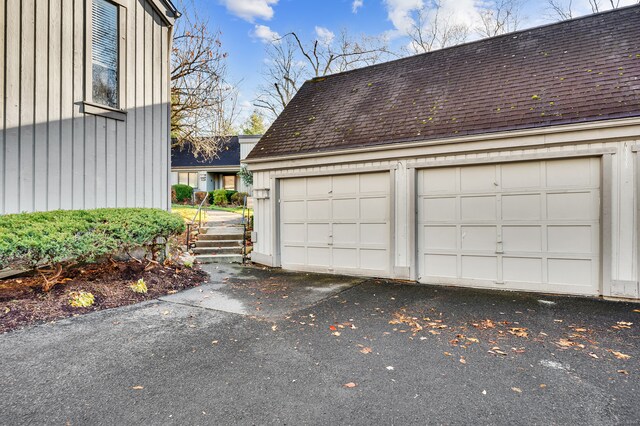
pixel 89 106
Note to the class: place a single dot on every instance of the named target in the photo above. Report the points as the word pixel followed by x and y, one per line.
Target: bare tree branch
pixel 203 101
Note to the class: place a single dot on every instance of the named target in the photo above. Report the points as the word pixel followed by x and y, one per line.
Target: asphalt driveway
pixel 266 347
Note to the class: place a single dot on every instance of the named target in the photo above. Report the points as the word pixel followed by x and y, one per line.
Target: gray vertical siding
pixel 52 154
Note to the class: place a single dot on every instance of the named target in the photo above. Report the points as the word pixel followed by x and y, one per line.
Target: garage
pixel 337 223
pixel 513 163
pixel 531 226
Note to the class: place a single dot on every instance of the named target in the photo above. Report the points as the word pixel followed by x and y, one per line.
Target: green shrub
pixel 220 197
pixel 56 237
pixel 183 193
pixel 230 194
pixel 238 198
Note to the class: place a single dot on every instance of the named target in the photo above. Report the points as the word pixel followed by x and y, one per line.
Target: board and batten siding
pixel 52 154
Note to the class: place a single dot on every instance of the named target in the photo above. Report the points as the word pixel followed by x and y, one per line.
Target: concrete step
pixel 221 230
pixel 219 258
pixel 217 250
pixel 219 243
pixel 218 237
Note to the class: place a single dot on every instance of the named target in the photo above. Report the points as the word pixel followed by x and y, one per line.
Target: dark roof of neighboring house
pixel 228 156
pixel 582 70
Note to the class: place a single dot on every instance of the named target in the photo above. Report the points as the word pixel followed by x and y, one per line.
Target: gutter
pixel 567 128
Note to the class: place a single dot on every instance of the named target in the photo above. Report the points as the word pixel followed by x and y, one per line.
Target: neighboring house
pixel 84 104
pixel 508 163
pixel 216 173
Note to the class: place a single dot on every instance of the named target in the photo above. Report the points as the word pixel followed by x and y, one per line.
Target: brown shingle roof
pixel 583 70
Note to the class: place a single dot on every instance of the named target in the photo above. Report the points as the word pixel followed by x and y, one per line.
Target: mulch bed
pixel 23 303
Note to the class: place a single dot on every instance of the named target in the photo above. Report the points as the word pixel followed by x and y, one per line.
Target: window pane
pixel 230 182
pixel 183 178
pixel 193 180
pixel 104 54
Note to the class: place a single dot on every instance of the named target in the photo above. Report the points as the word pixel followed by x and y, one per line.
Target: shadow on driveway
pixel 269 347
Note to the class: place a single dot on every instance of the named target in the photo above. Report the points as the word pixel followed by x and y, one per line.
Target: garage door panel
pixel 345 258
pixel 440 237
pixel 294 255
pixel 571 206
pixel 478 238
pixel 294 188
pixel 318 233
pixel 374 183
pixel 522 239
pixel 294 211
pixel 570 239
pixel 293 232
pixel 439 180
pixel 345 185
pixel 319 256
pixel 528 225
pixel 374 209
pixel 440 265
pixel 570 272
pixel 521 207
pixel 518 269
pixel 521 176
pixel 320 186
pixel 345 233
pixel 479 267
pixel 438 209
pixel 345 209
pixel 318 210
pixel 375 260
pixel 474 209
pixel 478 179
pixel 568 173
pixel 374 234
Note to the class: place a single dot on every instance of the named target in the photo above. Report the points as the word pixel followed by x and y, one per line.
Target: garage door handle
pixel 499 248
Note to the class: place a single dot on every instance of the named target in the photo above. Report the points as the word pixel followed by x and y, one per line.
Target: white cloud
pixel 357 4
pixel 402 13
pixel 399 13
pixel 325 36
pixel 265 34
pixel 251 9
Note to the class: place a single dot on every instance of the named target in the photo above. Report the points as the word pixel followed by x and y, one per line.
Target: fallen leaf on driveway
pixel 447 353
pixel 622 325
pixel 332 328
pixel 462 360
pixel 592 355
pixel 389 368
pixel 137 387
pixel 637 311
pixel 518 390
pixel 625 372
pixel 542 386
pixel 214 342
pixel 484 324
pixel 366 350
pixel 519 332
pixel 336 333
pixel 274 327
pixel 349 385
pixel 619 355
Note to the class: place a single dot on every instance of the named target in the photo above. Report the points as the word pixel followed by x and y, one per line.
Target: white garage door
pixel 527 226
pixel 336 223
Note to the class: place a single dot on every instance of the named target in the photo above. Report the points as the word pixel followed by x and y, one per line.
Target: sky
pixel 248 25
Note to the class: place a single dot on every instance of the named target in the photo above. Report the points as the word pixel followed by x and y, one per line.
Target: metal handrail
pixel 244 230
pixel 193 221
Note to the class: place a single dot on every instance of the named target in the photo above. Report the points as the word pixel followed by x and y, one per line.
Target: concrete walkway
pixel 258 346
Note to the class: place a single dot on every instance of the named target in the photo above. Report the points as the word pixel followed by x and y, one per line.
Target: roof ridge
pixel 482 40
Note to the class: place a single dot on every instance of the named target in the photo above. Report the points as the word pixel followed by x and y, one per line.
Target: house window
pixel 190 179
pixel 230 182
pixel 105 53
